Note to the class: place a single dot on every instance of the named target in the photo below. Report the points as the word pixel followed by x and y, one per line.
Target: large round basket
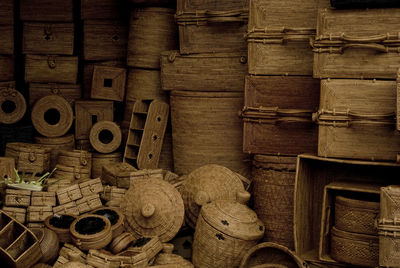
pixel 12 106
pixel 144 85
pixel 49 244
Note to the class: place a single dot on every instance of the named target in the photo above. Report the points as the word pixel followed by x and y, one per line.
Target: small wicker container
pixel 28 157
pixel 60 223
pixel 38 213
pixel 103 259
pixel 354 248
pixel 88 203
pixel 100 160
pixel 69 194
pixel 17 213
pixel 112 193
pixel 43 199
pixel 117 175
pixel 49 244
pixel 108 144
pixel 121 242
pixel 69 251
pixel 75 158
pixel 71 173
pixel 150 246
pixel 91 187
pixel 69 208
pixel 225 231
pixel 116 218
pixel 17 198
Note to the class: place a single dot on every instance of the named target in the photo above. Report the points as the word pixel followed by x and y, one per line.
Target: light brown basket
pixel 71 173
pixel 105 259
pixel 60 223
pixel 88 203
pixel 91 186
pixel 273 189
pixel 117 174
pixel 29 157
pixel 38 213
pixel 68 208
pixel 100 160
pixel 121 242
pixel 108 144
pixel 150 246
pixel 18 214
pixel 112 192
pixel 43 199
pixel 200 124
pixel 12 97
pixel 69 194
pixel 152 30
pixel 144 84
pixel 49 244
pixel 355 249
pixel 75 158
pixel 17 198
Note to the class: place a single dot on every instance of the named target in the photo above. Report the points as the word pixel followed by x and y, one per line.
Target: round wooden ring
pixel 95 139
pixel 15 113
pixel 46 104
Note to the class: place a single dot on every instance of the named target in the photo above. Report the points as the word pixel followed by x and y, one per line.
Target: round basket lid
pixel 234 219
pixel 153 207
pixel 206 184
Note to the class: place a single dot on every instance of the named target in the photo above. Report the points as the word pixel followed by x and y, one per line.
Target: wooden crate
pixel 70 92
pixel 17 198
pixel 6 67
pixel 356 117
pixel 47 10
pixel 7 40
pixel 108 83
pixel 280 108
pixel 104 9
pixel 17 213
pixel 38 213
pixel 203 72
pixel 347 47
pixel 104 39
pixel 43 199
pixel 51 69
pixel 212 26
pixel 313 174
pixel 29 157
pixel 87 113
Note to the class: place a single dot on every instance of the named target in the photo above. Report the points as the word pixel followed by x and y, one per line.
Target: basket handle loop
pixel 366 39
pixel 32 157
pixel 51 61
pixel 202 198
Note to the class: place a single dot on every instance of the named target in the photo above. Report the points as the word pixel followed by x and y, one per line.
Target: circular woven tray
pixel 96 141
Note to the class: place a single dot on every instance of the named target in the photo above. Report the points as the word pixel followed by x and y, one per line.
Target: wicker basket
pixel 112 193
pixel 355 249
pixel 12 105
pixel 117 174
pixel 88 203
pixel 152 30
pixel 143 84
pixel 103 259
pixel 17 198
pixel 38 213
pixel 75 158
pixel 116 218
pixel 105 137
pixel 18 214
pixel 153 207
pixel 29 157
pixel 43 199
pixel 70 92
pixel 69 251
pixel 60 223
pixel 150 246
pixel 199 121
pixel 49 244
pixel 205 184
pixel 69 194
pixel 100 160
pixel 68 208
pixel 225 231
pixel 121 242
pixel 71 173
pixel 273 189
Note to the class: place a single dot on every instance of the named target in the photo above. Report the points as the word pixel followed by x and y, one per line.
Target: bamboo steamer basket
pixel 144 85
pixel 75 158
pixel 206 129
pixel 12 106
pixel 273 190
pixel 116 218
pixel 152 30
pixel 100 160
pixel 101 145
pixel 354 248
pixel 358 216
pixel 225 231
pixel 153 207
pixel 71 173
pixel 49 244
pixel 91 232
pixel 59 224
pixel 271 255
pixel 29 157
pixel 121 242
pixel 208 183
pixel 56 144
pixel 48 106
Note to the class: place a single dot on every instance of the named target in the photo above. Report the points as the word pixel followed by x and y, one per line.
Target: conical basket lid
pixel 153 207
pixel 206 184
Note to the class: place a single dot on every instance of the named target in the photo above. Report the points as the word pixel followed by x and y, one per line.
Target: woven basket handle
pixel 376 47
pixel 366 39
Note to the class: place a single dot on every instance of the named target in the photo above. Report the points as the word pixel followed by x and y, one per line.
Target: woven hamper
pixel 29 157
pixel 69 92
pixel 144 84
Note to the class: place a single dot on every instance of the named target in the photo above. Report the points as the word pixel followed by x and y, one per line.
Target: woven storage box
pixel 43 199
pixel 364 50
pixel 38 213
pixel 29 157
pixel 48 38
pixel 69 194
pixel 68 91
pixel 205 184
pixel 143 84
pixel 53 185
pixel 104 9
pixel 7 12
pixel 98 258
pixel 6 68
pixel 75 158
pixel 206 27
pixel 68 208
pixel 49 244
pixel 147 174
pixel 13 105
pixel 153 207
pixel 150 246
pixel 100 160
pixel 88 203
pixel 7 41
pixel 17 213
pixel 206 115
pixel 104 39
pixel 69 250
pixel 225 231
pixel 46 10
pixel 115 216
pixel 280 107
pixel 117 174
pixel 357 116
pixel 19 247
pixel 112 193
pixel 152 30
pixel 279 36
pixel 108 83
pixel 56 144
pixel 121 242
pixel 71 173
pixel 273 187
pixel 203 72
pixel 88 113
pixel 90 187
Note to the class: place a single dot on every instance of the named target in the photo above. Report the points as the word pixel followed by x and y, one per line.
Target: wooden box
pixel 69 194
pixel 117 175
pixel 279 36
pixel 43 199
pixel 212 26
pixel 48 38
pixel 348 47
pixel 7 12
pixel 88 203
pixel 17 213
pixel 70 92
pixel 51 69
pixel 6 67
pixel 68 208
pixel 104 9
pixel 280 108
pixel 203 72
pixel 29 157
pixel 104 39
pixel 38 213
pixel 7 166
pixel 17 198
pixel 90 187
pixel 47 10
pixel 88 113
pixel 7 40
pixel 108 83
pixel 313 174
pixel 356 117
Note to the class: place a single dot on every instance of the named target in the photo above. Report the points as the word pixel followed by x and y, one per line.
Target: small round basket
pixel 60 223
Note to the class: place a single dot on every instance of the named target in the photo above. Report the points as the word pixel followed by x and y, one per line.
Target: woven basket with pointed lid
pixel 153 207
pixel 206 184
pixel 225 231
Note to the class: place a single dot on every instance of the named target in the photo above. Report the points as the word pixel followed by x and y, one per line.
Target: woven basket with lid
pixel 29 157
pixel 206 184
pixel 117 174
pixel 75 158
pixel 153 207
pixel 225 231
pixel 100 160
pixel 49 244
pixel 60 223
pixel 115 216
pixel 71 173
